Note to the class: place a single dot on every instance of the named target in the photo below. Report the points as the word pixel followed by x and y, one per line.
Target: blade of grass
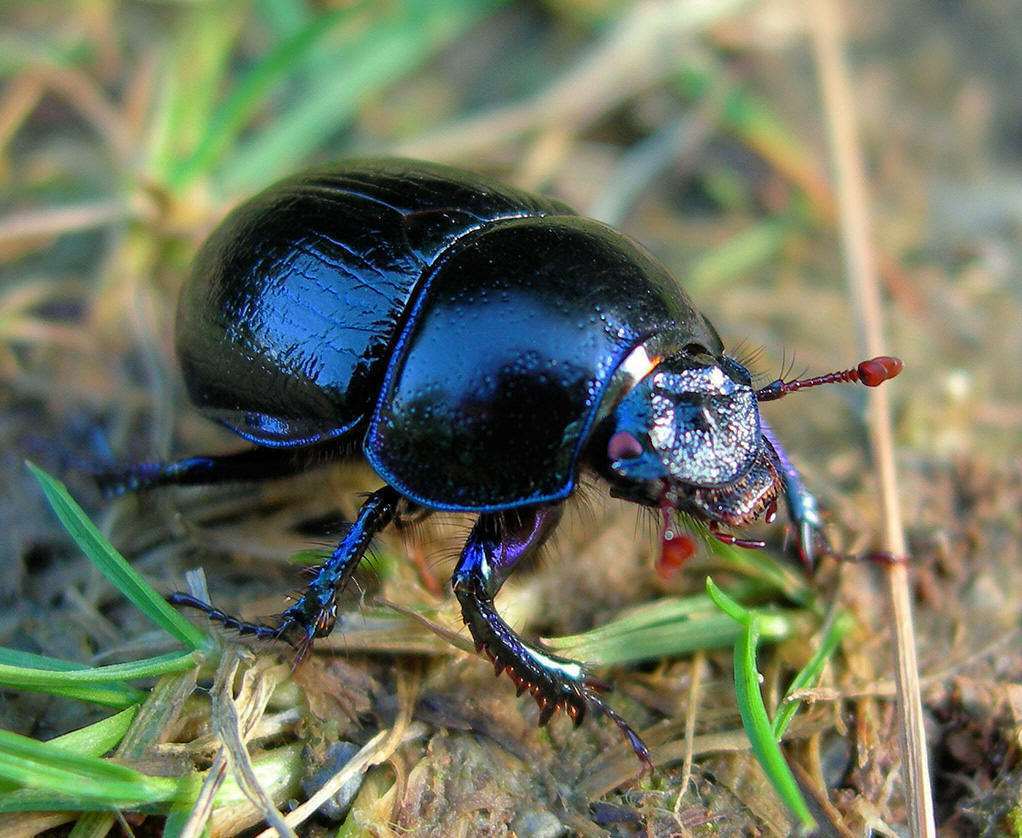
pixel 395 43
pixel 99 737
pixel 250 93
pixel 196 58
pixel 93 740
pixel 113 565
pixel 752 709
pixel 744 252
pixel 664 610
pixel 108 695
pixel 44 766
pixel 283 17
pixel 673 628
pixel 762 566
pixel 22 677
pixel 163 706
pixel 712 631
pixel 279 770
pixel 810 674
pixel 862 271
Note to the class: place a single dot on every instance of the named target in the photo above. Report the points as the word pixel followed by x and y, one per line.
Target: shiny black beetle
pixel 481 345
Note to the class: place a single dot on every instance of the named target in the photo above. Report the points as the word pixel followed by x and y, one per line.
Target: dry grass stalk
pixel 694 693
pixel 377 750
pixel 256 688
pixel 236 721
pixel 72 218
pixel 863 279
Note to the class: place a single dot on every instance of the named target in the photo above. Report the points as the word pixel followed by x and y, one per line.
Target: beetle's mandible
pixel 479 346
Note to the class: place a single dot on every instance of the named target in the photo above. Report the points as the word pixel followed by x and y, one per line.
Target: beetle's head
pixel 688 435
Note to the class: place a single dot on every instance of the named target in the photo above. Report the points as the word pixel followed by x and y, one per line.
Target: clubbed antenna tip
pixel 872 373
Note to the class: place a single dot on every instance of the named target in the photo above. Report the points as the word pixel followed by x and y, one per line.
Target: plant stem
pixel 863 280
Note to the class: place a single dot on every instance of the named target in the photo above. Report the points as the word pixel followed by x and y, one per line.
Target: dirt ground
pixel 698 130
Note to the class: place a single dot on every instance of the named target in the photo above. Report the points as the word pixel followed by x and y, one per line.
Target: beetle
pixel 479 346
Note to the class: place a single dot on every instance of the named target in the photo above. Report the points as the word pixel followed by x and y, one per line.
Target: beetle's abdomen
pixel 501 366
pixel 286 322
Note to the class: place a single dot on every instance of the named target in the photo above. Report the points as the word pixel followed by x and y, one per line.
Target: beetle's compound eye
pixel 735 370
pixel 698 352
pixel 623 446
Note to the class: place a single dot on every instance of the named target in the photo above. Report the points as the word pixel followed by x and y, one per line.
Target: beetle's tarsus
pixel 314 612
pixel 262 631
pixel 733 540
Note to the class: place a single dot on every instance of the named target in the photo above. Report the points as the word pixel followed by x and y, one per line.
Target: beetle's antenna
pixel 872 373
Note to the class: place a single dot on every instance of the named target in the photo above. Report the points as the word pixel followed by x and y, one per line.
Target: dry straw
pixel 863 280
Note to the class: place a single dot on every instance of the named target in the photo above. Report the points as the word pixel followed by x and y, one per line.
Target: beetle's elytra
pixel 481 346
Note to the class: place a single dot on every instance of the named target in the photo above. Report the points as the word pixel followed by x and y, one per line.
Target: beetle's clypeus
pixel 480 346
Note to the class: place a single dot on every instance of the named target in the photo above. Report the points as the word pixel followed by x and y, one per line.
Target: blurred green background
pixel 128 129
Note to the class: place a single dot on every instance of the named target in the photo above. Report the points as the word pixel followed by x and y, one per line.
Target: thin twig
pixel 863 279
pixel 694 692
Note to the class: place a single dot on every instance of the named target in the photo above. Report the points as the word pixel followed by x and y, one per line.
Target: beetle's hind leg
pixel 251 464
pixel 313 614
pixel 497 543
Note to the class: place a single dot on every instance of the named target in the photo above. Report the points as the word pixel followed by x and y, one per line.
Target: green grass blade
pixel 739 256
pixel 92 740
pixel 113 565
pixel 810 674
pixel 279 772
pixel 659 612
pixel 109 695
pixel 105 695
pixel 23 677
pixel 667 628
pixel 753 711
pixel 763 567
pixel 283 17
pixel 48 767
pixel 395 43
pixel 196 59
pixel 98 738
pixel 249 95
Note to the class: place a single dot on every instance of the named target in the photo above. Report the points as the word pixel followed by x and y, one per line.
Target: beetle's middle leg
pixel 313 614
pixel 497 543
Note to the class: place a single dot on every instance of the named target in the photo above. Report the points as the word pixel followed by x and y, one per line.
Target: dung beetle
pixel 479 346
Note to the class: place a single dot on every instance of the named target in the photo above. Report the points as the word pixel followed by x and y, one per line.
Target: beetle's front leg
pixel 497 543
pixel 802 507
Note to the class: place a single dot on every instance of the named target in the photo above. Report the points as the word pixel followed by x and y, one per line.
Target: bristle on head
pixel 872 373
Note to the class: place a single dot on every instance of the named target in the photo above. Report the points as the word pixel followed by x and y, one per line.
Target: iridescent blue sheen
pixel 285 325
pixel 477 326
